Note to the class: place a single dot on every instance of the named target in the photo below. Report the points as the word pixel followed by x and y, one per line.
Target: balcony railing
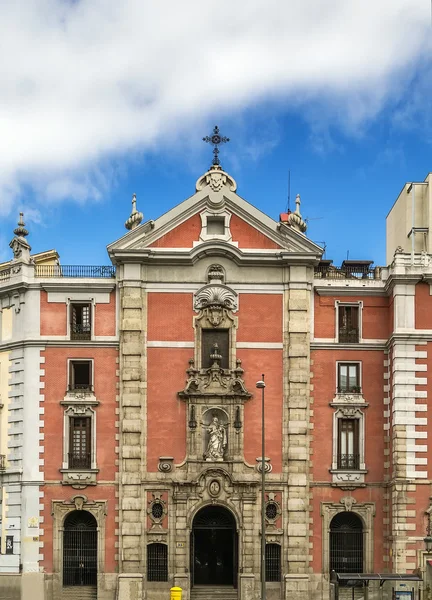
pixel 331 272
pixel 79 461
pixel 80 387
pixel 349 389
pixel 80 332
pixel 2 462
pixel 349 336
pixel 5 275
pixel 78 271
pixel 348 461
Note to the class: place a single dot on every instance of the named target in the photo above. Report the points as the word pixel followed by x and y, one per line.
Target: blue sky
pixel 101 99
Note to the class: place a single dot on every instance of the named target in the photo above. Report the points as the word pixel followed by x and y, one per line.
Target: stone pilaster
pixel 296 425
pixel 132 429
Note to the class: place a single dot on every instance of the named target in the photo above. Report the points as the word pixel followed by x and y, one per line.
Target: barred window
pixel 157 562
pixel 349 328
pixel 272 562
pixel 210 337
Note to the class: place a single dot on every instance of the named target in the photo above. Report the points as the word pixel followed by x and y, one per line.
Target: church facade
pixel 131 421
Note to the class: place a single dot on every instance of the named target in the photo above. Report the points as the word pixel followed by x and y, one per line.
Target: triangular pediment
pixel 215 217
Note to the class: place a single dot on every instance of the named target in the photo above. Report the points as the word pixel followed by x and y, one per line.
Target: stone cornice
pixel 58 343
pixel 345 290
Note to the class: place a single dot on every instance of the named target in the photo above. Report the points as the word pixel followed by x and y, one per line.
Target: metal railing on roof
pixel 78 271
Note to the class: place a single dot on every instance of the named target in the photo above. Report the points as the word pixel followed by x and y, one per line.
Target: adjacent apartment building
pixel 130 421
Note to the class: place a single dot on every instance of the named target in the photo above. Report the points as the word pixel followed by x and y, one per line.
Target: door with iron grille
pixel 346 543
pixel 214 547
pixel 80 549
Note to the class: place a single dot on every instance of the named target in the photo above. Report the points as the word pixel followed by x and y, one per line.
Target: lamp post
pixel 428 539
pixel 261 385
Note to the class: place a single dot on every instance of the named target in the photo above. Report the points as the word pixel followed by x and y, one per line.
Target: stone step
pixel 79 592
pixel 214 593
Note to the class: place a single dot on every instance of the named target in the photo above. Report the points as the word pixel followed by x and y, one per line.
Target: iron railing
pixel 331 272
pixel 81 271
pixel 272 562
pixel 79 461
pixel 80 332
pixel 2 462
pixel 348 461
pixel 80 555
pixel 157 562
pixel 80 387
pixel 349 336
pixel 349 389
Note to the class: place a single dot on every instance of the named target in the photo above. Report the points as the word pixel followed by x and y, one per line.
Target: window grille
pixel 349 332
pixel 157 562
pixel 346 543
pixel 80 443
pixel 272 562
pixel 348 444
pixel 80 549
pixel 271 511
pixel 208 338
pixel 349 377
pixel 80 326
pixel 157 510
pixel 80 376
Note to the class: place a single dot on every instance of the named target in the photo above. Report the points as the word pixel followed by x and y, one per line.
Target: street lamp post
pixel 261 385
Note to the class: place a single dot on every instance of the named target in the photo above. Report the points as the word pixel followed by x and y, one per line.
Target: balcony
pixel 5 275
pixel 74 271
pixel 80 388
pixel 349 336
pixel 348 461
pixel 80 332
pixel 79 461
pixel 349 389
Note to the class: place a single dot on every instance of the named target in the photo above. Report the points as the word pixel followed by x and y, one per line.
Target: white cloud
pixel 84 81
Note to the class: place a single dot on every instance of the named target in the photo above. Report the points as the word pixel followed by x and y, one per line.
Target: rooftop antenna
pixel 289 188
pixel 323 246
pixel 347 255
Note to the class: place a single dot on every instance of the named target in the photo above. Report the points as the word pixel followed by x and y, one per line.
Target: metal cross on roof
pixel 216 139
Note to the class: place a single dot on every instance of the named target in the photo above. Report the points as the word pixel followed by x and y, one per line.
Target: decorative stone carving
pixel 215 380
pixel 216 179
pixel 267 465
pixel 157 510
pixel 348 502
pixel 19 245
pixel 272 509
pixel 216 296
pixel 79 480
pixel 166 464
pixel 214 488
pixel 217 441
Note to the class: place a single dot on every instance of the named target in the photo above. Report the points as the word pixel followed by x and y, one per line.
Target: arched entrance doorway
pixel 80 549
pixel 214 547
pixel 346 543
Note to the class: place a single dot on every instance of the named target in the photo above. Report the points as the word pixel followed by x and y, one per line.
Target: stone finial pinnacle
pixel 19 245
pixel 295 219
pixel 135 216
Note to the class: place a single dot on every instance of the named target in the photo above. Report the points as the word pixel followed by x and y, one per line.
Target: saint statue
pixel 217 441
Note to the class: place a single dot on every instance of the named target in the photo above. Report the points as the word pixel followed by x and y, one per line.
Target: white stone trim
pixel 222 214
pixel 261 345
pixel 68 413
pixel 79 297
pixel 169 344
pixel 359 304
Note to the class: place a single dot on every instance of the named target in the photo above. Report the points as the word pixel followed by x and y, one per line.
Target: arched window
pixel 80 549
pixel 346 543
pixel 272 562
pixel 157 562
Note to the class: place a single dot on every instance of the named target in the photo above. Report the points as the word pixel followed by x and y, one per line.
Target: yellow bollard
pixel 176 593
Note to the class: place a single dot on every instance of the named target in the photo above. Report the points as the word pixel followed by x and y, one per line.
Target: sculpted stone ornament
pixel 215 380
pixel 217 441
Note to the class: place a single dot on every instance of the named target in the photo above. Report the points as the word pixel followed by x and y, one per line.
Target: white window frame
pixel 69 370
pixel 70 302
pixel 358 304
pixel 221 214
pixel 349 412
pixel 349 362
pixel 78 410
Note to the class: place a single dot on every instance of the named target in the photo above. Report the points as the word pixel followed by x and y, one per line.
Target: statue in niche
pixel 217 441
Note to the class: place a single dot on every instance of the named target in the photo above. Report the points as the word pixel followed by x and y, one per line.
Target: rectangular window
pixel 80 325
pixel 80 376
pixel 80 443
pixel 349 330
pixel 348 444
pixel 349 377
pixel 210 337
pixel 157 562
